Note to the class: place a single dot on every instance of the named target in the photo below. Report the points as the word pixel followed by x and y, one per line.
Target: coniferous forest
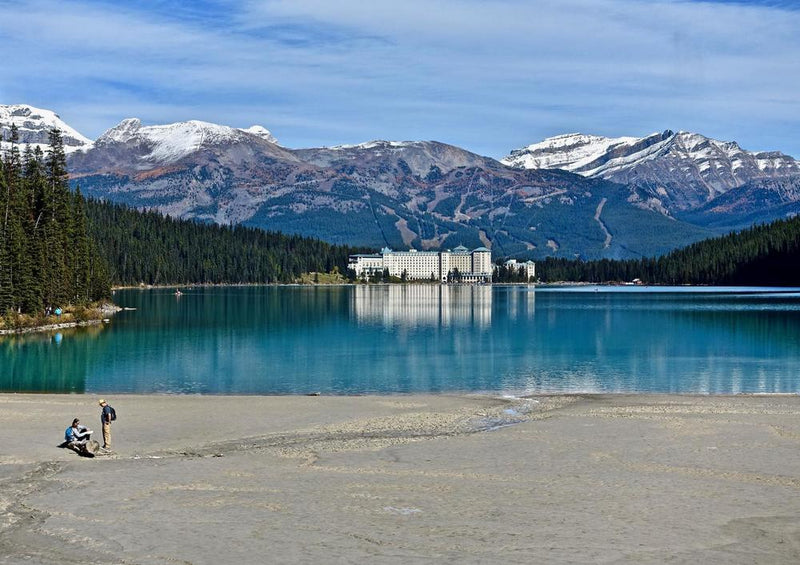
pixel 767 255
pixel 47 258
pixel 58 249
pixel 146 247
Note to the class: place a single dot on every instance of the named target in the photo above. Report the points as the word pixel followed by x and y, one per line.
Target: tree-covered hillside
pixel 146 247
pixel 57 249
pixel 763 255
pixel 46 255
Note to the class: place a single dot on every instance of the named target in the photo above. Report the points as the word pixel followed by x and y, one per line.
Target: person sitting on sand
pixel 77 436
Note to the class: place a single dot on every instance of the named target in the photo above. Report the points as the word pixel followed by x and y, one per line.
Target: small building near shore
pixel 527 269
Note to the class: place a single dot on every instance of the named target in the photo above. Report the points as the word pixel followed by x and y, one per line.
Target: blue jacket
pixel 74 434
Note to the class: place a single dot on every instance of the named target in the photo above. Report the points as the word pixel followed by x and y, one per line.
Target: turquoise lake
pixel 420 338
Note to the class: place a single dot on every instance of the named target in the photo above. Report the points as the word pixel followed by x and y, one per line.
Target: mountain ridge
pixel 427 194
pixel 668 171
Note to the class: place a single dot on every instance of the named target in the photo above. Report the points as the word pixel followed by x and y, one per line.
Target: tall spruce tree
pixel 9 236
pixel 6 291
pixel 79 250
pixel 35 183
pixel 57 218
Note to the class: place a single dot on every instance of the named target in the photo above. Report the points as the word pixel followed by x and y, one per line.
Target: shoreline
pixel 102 316
pixel 498 395
pixel 414 478
pixel 54 327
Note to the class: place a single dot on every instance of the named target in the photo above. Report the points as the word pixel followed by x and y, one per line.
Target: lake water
pixel 419 338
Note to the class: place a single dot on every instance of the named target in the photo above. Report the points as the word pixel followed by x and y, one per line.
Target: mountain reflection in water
pixel 423 338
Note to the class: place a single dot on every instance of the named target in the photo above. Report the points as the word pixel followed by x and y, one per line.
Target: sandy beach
pixel 404 479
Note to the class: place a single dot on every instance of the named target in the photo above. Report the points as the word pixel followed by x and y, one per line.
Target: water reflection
pixel 421 338
pixel 662 342
pixel 411 306
pixel 48 362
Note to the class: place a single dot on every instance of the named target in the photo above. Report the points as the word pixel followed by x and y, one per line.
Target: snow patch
pixel 171 142
pixel 34 125
pixel 262 132
pixel 722 164
pixel 375 144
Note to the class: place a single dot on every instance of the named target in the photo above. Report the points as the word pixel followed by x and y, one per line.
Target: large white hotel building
pixel 472 266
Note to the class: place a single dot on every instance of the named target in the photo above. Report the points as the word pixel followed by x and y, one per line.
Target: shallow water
pixel 419 338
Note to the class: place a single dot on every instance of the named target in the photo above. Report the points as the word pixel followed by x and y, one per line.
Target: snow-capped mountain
pixel 183 167
pixel 670 189
pixel 34 125
pixel 569 152
pixel 166 144
pixel 420 194
pixel 673 171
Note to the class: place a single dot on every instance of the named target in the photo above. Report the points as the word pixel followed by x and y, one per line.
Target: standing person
pixel 106 416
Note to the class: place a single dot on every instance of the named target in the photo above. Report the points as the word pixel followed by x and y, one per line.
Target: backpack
pixel 113 413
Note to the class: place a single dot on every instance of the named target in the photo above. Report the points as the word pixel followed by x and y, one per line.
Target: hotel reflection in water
pixel 432 305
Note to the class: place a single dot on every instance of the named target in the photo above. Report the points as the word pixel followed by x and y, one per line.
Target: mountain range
pixel 573 195
pixel 681 174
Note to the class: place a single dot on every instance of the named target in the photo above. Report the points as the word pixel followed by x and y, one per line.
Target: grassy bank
pixel 71 316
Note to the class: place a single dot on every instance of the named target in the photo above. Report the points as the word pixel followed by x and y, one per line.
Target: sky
pixel 489 76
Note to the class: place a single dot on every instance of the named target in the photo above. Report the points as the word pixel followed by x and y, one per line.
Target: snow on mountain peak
pixel 697 167
pixel 171 142
pixel 262 132
pixel 575 152
pixel 375 144
pixel 126 129
pixel 34 125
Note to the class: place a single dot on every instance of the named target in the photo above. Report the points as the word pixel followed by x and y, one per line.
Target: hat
pixel 101 401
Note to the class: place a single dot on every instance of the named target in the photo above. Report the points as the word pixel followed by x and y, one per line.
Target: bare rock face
pixel 419 156
pixel 188 169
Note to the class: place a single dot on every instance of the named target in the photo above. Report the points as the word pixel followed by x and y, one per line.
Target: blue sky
pixel 489 75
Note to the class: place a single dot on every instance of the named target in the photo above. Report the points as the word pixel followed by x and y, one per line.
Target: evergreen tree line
pixel 147 247
pixel 767 254
pixel 47 258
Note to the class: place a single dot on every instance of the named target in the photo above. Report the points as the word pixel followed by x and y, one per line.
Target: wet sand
pixel 404 479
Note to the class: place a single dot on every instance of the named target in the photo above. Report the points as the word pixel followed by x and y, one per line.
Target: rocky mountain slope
pixel 552 198
pixel 420 194
pixel 677 174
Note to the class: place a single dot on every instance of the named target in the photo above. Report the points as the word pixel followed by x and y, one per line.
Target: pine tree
pixel 35 189
pixel 56 217
pixel 6 290
pixel 79 238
